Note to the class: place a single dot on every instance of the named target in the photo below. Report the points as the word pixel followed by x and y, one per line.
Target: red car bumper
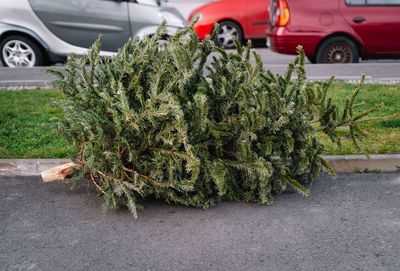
pixel 283 41
pixel 203 28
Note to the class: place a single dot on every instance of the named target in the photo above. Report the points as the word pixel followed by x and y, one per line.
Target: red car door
pixel 377 23
pixel 257 18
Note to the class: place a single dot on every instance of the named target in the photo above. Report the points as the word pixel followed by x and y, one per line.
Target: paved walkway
pixel 351 223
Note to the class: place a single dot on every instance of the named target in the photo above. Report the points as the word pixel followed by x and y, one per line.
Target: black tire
pixel 226 31
pixel 311 59
pixel 337 50
pixel 37 57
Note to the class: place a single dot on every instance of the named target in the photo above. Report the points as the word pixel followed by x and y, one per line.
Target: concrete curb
pixel 23 84
pixel 340 163
pixel 354 163
pixel 27 167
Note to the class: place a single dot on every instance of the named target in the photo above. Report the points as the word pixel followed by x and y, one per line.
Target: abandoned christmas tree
pixel 188 122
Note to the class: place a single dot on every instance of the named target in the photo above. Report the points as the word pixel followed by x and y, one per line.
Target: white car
pixel 43 32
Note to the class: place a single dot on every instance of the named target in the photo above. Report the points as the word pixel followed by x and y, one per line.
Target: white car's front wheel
pixel 19 51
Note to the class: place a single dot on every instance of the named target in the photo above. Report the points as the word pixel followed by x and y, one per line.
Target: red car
pixel 336 31
pixel 245 19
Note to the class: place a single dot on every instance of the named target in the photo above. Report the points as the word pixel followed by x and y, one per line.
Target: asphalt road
pixel 351 223
pixel 378 71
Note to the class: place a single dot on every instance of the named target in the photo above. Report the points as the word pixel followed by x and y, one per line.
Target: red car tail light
pixel 282 13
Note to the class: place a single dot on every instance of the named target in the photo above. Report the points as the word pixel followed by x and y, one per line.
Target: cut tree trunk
pixel 59 173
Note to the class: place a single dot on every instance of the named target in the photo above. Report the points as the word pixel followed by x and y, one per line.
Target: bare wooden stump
pixel 59 173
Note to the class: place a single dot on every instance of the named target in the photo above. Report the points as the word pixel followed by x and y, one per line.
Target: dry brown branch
pixel 120 181
pixel 94 182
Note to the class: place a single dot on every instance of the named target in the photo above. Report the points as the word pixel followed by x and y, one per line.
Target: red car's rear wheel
pixel 337 50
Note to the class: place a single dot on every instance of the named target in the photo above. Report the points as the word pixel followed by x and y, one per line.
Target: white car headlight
pixel 172 19
pixel 195 15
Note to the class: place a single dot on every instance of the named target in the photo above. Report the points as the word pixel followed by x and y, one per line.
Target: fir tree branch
pixel 94 182
pixel 163 132
pixel 120 181
pixel 380 118
pixel 359 104
pixel 372 109
pixel 155 126
pixel 231 102
pixel 304 107
pixel 158 183
pixel 172 152
pixel 120 152
pixel 149 114
pixel 357 119
pixel 231 154
pixel 355 93
pixel 168 89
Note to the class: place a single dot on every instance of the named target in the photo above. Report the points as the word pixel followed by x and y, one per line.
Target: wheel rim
pixel 339 53
pixel 226 35
pixel 17 53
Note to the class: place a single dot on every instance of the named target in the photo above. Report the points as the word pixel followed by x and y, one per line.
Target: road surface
pixel 377 71
pixel 350 223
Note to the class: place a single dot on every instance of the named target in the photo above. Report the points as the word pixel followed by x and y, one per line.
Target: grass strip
pixel 384 135
pixel 27 124
pixel 28 119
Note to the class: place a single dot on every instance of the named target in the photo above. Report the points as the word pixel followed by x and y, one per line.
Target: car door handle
pixel 359 19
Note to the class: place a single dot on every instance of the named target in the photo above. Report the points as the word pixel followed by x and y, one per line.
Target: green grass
pixel 27 122
pixel 27 125
pixel 384 135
